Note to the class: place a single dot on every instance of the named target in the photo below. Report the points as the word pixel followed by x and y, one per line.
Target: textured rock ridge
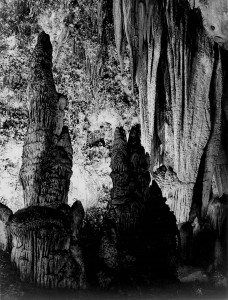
pixel 47 154
pixel 179 74
pixel 44 248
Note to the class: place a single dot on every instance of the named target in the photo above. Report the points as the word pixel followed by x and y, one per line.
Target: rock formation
pixel 215 19
pixel 45 234
pixel 217 216
pixel 120 167
pixel 44 249
pixel 47 154
pixel 5 214
pixel 130 176
pixel 178 70
pixel 186 235
pixel 142 239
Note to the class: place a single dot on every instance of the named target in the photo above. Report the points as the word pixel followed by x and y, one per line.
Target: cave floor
pixel 193 284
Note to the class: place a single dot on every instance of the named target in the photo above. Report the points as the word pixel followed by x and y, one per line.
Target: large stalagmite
pixel 44 236
pixel 47 155
pixel 179 74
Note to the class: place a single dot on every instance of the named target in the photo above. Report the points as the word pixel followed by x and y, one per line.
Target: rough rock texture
pixel 139 164
pixel 141 239
pixel 215 17
pixel 120 167
pixel 5 214
pixel 44 249
pixel 178 71
pixel 186 235
pixel 130 176
pixel 45 234
pixel 47 154
pixel 174 190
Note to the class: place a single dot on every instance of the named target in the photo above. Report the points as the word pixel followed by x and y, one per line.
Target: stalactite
pixel 214 143
pixel 221 172
pixel 174 62
pixel 119 29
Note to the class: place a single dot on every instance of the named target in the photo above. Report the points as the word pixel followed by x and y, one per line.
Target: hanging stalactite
pixel 174 63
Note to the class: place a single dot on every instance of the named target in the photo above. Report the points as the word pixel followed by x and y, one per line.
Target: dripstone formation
pixel 180 75
pixel 43 247
pixel 180 66
pixel 142 241
pixel 47 154
pixel 44 236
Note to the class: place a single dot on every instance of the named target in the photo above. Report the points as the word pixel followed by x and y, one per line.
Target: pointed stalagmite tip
pixel 44 43
pixel 135 133
pixel 120 133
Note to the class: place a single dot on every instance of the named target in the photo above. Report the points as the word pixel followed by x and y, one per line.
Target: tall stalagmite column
pixel 178 71
pixel 47 154
pixel 45 234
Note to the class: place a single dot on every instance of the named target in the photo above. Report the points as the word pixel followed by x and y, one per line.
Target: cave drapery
pixel 179 73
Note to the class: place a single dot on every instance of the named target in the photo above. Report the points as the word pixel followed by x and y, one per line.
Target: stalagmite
pixel 45 234
pixel 142 225
pixel 47 154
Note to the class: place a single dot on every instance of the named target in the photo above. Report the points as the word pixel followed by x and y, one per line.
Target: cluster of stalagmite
pixel 44 236
pixel 178 70
pixel 47 154
pixel 130 176
pixel 142 237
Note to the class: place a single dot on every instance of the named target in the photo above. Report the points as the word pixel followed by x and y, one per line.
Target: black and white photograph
pixel 113 149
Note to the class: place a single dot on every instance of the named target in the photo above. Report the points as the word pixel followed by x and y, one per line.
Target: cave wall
pixel 178 70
